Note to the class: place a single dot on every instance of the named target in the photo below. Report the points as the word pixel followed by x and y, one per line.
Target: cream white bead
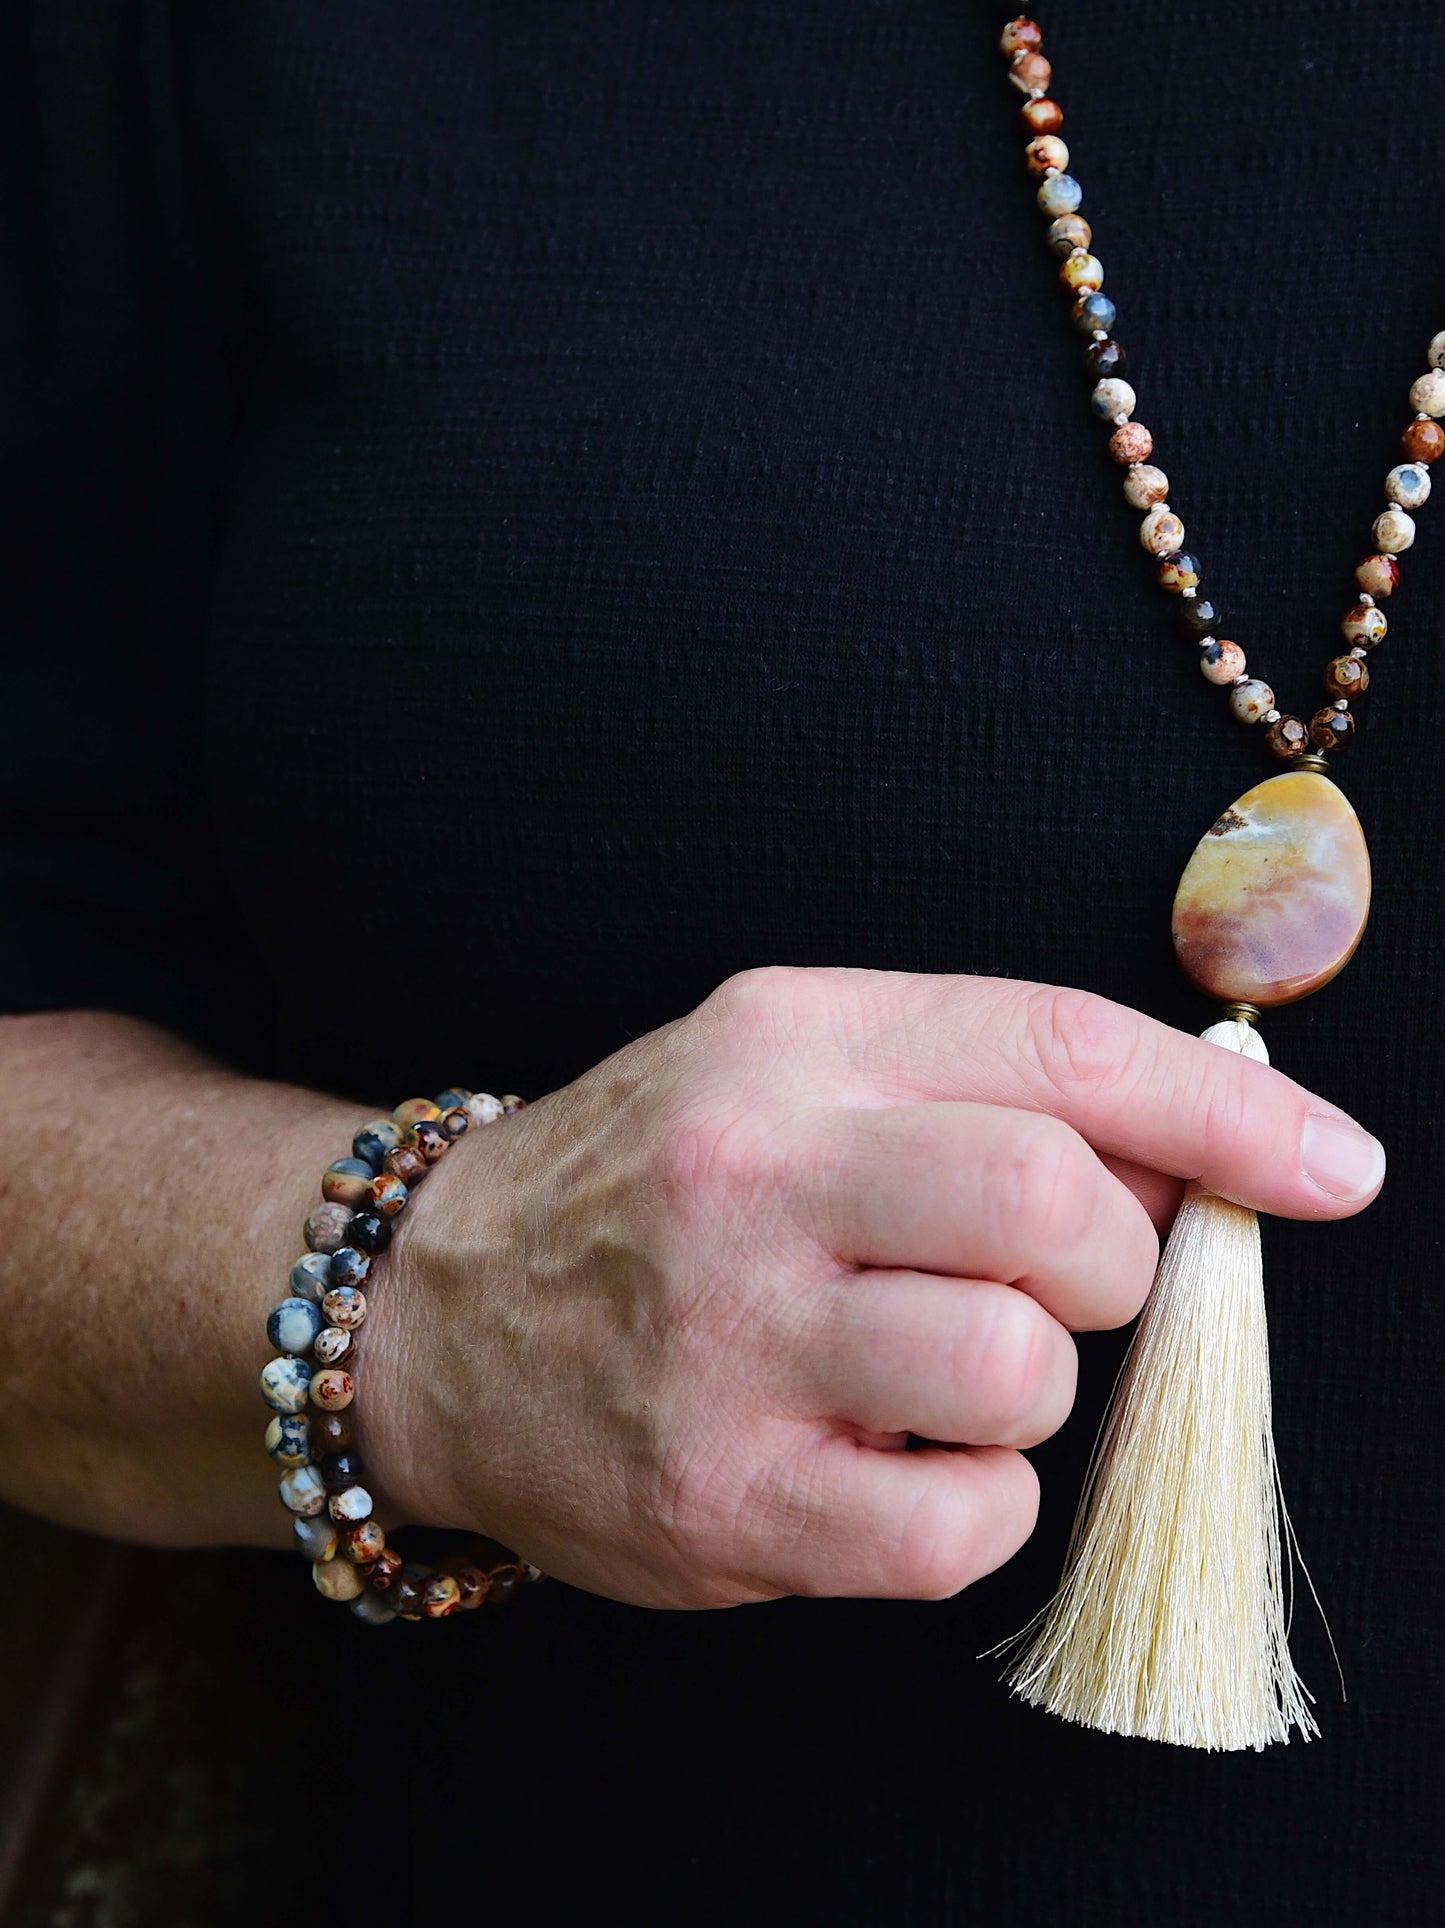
pixel 1394 532
pixel 337 1579
pixel 1145 485
pixel 1409 485
pixel 1112 398
pixel 353 1503
pixel 1251 700
pixel 483 1109
pixel 1435 353
pixel 303 1491
pixel 1427 395
pixel 1161 532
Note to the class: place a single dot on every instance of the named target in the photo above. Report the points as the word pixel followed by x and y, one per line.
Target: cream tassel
pixel 1171 1621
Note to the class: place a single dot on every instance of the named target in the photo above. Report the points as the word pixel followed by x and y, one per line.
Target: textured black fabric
pixel 523 511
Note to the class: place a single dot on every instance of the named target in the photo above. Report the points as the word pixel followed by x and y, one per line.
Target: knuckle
pixel 1079 1041
pixel 1046 1185
pixel 758 999
pixel 710 1152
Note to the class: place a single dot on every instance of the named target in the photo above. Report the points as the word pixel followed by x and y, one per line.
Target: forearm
pixel 150 1204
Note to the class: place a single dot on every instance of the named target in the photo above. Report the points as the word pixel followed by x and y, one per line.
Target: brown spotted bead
pixel 428 1138
pixel 1161 531
pixel 407 1165
pixel 345 1182
pixel 1028 70
pixel 408 1590
pixel 1070 231
pixel 332 1344
pixel 1423 442
pixel 1081 273
pixel 1178 572
pixel 327 1226
pixel 364 1543
pixel 1364 626
pixel 442 1597
pixel 1021 35
pixel 1131 443
pixel 413 1110
pixel 1347 676
pixel 455 1123
pixel 472 1584
pixel 1041 116
pixel 384 1569
pixel 1332 729
pixel 332 1389
pixel 1378 575
pixel 331 1432
pixel 387 1194
pixel 1287 737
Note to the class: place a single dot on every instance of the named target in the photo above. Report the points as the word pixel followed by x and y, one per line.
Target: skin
pixel 666 1332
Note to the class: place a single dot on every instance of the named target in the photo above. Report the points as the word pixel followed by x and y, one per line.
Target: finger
pixel 900 1526
pixel 1157 1192
pixel 962 1361
pixel 977 1192
pixel 1133 1087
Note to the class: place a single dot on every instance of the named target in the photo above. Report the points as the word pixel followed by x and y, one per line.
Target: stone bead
pixel 363 1542
pixel 406 1164
pixel 1435 353
pixel 1423 442
pixel 332 1389
pixel 340 1470
pixel 1221 663
pixel 532 1575
pixel 384 1568
pixel 1041 116
pixel 453 1095
pixel 1409 485
pixel 337 1579
pixel 326 1227
pixel 1347 676
pixel 374 1141
pixel 1081 274
pixel 1274 899
pixel 285 1384
pixel 1044 152
pixel 369 1232
pixel 1161 530
pixel 1251 699
pixel 1364 626
pixel 1131 444
pixel 1178 572
pixel 293 1325
pixel 408 1588
pixel 351 1504
pixel 371 1609
pixel 1427 394
pixel 1378 575
pixel 1094 314
pixel 1394 532
pixel 1113 398
pixel 387 1195
pixel 505 1581
pixel 288 1439
pixel 473 1586
pixel 344 1181
pixel 1029 70
pixel 333 1345
pixel 411 1112
pixel 331 1432
pixel 1198 616
pixel 442 1597
pixel 1332 729
pixel 1070 231
pixel 429 1139
pixel 310 1275
pixel 302 1492
pixel 1145 486
pixel 1287 737
pixel 1061 194
pixel 349 1267
pixel 1106 357
pixel 456 1124
pixel 318 1537
pixel 345 1306
pixel 1021 35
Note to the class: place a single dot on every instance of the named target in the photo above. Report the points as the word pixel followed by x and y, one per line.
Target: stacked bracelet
pixel 310 1387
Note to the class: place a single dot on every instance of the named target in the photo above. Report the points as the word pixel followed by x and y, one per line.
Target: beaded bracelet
pixel 312 1432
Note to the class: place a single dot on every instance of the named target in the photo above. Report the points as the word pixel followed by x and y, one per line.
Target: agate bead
pixel 1287 737
pixel 1082 274
pixel 1394 532
pixel 1106 357
pixel 505 1581
pixel 349 1266
pixel 1178 572
pixel 1161 530
pixel 302 1492
pixel 310 1275
pixel 351 1504
pixel 1131 444
pixel 332 1389
pixel 345 1306
pixel 1423 442
pixel 1029 71
pixel 344 1181
pixel 371 1608
pixel 1042 116
pixel 1070 231
pixel 369 1232
pixel 1409 485
pixel 1251 700
pixel 412 1110
pixel 1113 398
pixel 1378 575
pixel 375 1140
pixel 1198 616
pixel 1044 153
pixel 285 1384
pixel 1221 663
pixel 385 1568
pixel 326 1226
pixel 442 1596
pixel 456 1124
pixel 293 1325
pixel 453 1095
pixel 1094 314
pixel 483 1109
pixel 340 1470
pixel 1427 394
pixel 1364 626
pixel 333 1344
pixel 1021 36
pixel 408 1588
pixel 331 1432
pixel 1347 676
pixel 317 1537
pixel 387 1195
pixel 473 1586
pixel 1146 486
pixel 1435 353
pixel 1061 194
pixel 288 1438
pixel 406 1164
pixel 337 1579
pixel 429 1139
pixel 1332 729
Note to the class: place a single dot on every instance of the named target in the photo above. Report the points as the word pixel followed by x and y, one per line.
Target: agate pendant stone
pixel 1274 900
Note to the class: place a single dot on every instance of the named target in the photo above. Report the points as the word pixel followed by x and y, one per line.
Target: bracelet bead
pixel 363 1543
pixel 340 1470
pixel 302 1491
pixel 345 1182
pixel 369 1232
pixel 285 1384
pixel 350 1506
pixel 327 1226
pixel 288 1439
pixel 337 1579
pixel 406 1164
pixel 345 1306
pixel 293 1325
pixel 317 1537
pixel 333 1344
pixel 374 1141
pixel 386 1195
pixel 349 1267
pixel 331 1432
pixel 332 1389
pixel 412 1111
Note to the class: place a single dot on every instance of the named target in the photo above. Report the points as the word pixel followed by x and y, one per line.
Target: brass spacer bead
pixel 1245 1012
pixel 1311 761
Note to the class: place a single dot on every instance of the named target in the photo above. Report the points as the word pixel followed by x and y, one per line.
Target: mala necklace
pixel 1171 1620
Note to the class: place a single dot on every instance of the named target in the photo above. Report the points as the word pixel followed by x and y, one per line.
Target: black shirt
pixel 520 512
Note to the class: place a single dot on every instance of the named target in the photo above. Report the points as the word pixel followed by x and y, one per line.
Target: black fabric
pixel 522 511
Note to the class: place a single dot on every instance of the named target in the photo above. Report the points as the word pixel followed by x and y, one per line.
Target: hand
pixel 666 1332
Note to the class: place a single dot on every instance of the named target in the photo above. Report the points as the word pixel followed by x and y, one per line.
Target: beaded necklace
pixel 1171 1619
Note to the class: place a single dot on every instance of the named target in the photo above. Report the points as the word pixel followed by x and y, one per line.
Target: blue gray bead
pixel 1060 194
pixel 285 1384
pixel 449 1099
pixel 288 1438
pixel 372 1608
pixel 1094 314
pixel 348 1267
pixel 318 1537
pixel 303 1491
pixel 293 1325
pixel 1409 485
pixel 374 1141
pixel 311 1276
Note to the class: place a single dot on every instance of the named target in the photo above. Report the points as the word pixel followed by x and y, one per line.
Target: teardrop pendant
pixel 1274 901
